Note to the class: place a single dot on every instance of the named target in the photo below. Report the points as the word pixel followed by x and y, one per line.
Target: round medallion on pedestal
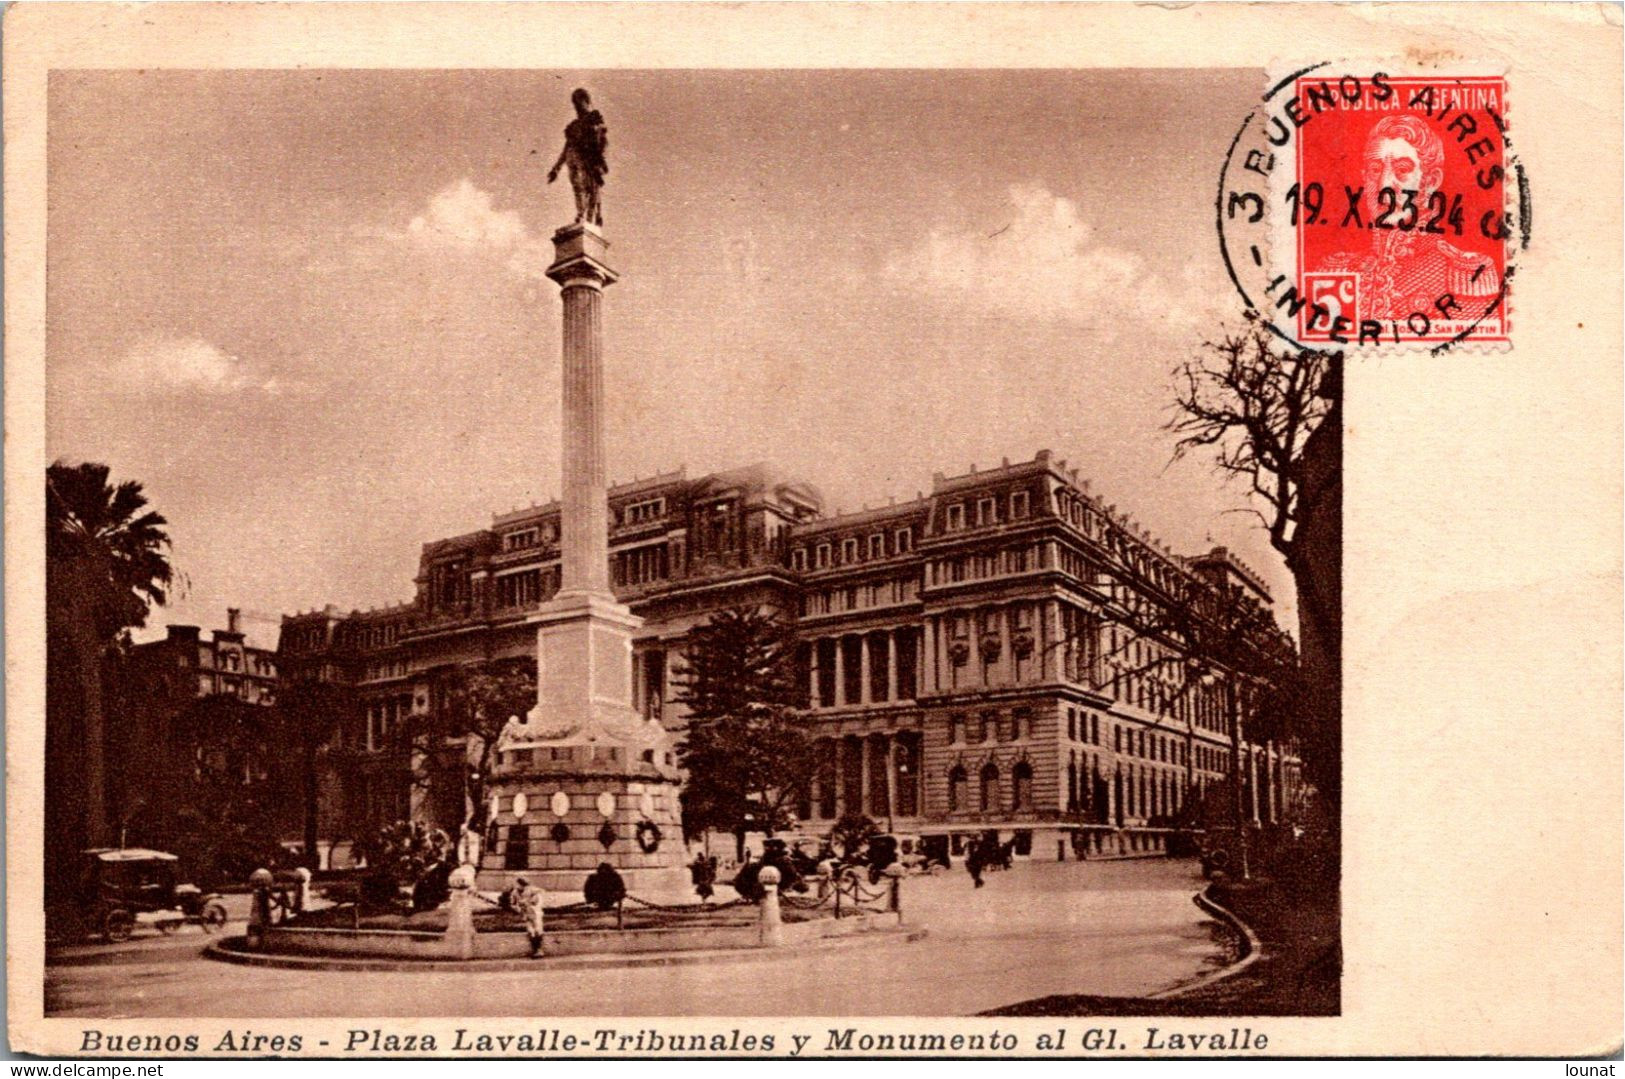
pixel 561 803
pixel 606 805
pixel 520 804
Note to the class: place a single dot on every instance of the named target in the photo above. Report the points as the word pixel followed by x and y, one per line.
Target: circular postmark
pixel 1359 208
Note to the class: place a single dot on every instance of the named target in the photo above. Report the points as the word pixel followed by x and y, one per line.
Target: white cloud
pixel 191 363
pixel 462 217
pixel 1043 264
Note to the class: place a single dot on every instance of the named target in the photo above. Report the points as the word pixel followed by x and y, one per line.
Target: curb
pixel 220 953
pixel 1251 950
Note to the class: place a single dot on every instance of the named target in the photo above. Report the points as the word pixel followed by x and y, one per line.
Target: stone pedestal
pixel 584 777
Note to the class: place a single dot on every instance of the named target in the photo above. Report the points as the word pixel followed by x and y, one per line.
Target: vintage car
pixel 115 886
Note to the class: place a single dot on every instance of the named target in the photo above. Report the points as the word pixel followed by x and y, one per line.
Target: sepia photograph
pixel 688 545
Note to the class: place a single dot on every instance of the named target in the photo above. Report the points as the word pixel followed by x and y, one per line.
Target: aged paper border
pixel 1483 589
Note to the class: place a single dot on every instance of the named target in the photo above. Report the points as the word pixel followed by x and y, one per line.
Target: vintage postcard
pixel 1002 531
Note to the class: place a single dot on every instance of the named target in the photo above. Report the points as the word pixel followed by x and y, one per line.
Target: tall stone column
pixel 582 275
pixel 596 765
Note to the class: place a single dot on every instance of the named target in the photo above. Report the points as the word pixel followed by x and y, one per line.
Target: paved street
pixel 1114 928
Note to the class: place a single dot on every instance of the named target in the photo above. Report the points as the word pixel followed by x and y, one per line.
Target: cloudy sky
pixel 306 309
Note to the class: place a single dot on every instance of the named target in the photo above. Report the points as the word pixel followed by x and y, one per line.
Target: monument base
pixel 557 820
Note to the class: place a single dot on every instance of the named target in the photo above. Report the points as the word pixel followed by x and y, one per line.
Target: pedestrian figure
pixel 703 872
pixel 973 862
pixel 530 903
pixel 605 888
pixel 745 882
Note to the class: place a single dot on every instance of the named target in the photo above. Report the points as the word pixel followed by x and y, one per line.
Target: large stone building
pixel 961 663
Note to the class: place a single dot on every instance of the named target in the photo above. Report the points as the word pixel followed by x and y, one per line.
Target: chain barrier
pixel 686 908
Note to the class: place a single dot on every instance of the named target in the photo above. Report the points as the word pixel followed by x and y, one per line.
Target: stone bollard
pixel 259 914
pixel 301 901
pixel 895 872
pixel 772 924
pixel 460 920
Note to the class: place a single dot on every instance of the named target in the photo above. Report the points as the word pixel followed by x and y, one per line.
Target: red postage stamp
pixel 1398 210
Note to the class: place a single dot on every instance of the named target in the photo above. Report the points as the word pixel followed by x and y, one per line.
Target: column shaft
pixel 585 512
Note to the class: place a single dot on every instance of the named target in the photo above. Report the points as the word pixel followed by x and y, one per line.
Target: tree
pixel 745 750
pixel 224 796
pixel 106 564
pixel 475 706
pixel 309 712
pixel 1191 634
pixel 1273 417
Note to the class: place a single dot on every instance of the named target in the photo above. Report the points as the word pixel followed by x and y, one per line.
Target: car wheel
pixel 118 925
pixel 214 916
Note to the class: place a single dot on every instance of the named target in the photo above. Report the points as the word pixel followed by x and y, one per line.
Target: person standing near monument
pixel 530 902
pixel 586 140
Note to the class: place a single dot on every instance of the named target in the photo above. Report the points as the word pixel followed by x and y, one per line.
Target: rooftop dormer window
pixel 650 509
pixel 518 541
pixel 956 516
pixel 986 512
pixel 1018 505
pixel 877 546
pixel 849 550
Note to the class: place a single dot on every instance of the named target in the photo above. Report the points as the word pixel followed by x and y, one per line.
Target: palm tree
pixel 106 564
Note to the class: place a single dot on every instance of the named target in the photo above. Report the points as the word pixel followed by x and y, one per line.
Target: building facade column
pixel 863 777
pixel 865 667
pixel 891 664
pixel 927 657
pixel 890 759
pixel 840 672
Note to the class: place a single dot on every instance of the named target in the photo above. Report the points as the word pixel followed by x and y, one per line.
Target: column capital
pixel 580 255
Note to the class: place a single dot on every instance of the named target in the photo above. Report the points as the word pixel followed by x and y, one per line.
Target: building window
pixel 877 546
pixel 1018 504
pixel 985 513
pixel 902 540
pixel 990 787
pixel 956 788
pixel 956 729
pixel 798 558
pixel 1071 725
pixel 520 589
pixel 956 516
pixel 1021 791
pixel 849 550
pixel 821 559
pixel 826 671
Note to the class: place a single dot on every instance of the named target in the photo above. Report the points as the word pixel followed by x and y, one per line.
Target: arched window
pixel 1021 796
pixel 956 788
pixel 990 787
